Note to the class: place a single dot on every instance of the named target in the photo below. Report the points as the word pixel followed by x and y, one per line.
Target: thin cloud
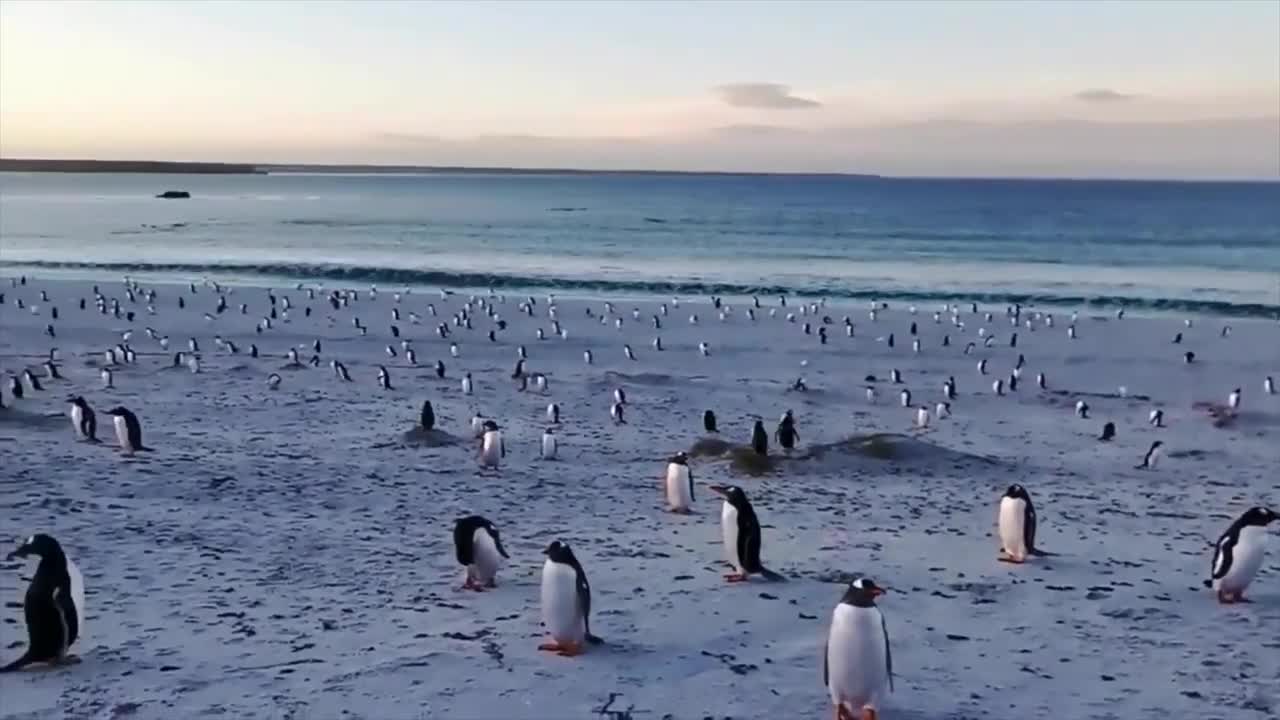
pixel 770 96
pixel 405 138
pixel 1103 95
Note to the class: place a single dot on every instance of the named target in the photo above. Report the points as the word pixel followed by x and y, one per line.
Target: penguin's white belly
pixel 77 420
pixel 491 451
pixel 560 611
pixel 486 560
pixel 1012 524
pixel 77 597
pixel 1246 559
pixel 857 671
pixel 122 433
pixel 729 531
pixel 678 495
pixel 548 447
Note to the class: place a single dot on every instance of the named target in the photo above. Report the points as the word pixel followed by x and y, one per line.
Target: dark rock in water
pixel 174 195
pixel 429 438
pixel 747 460
pixel 709 446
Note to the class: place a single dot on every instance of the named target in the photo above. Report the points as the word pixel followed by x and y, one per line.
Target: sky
pixel 1177 89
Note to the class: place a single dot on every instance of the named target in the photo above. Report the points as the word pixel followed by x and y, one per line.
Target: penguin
pixel 292 356
pixel 740 531
pixel 253 350
pixel 1041 381
pixel 51 370
pixel 786 433
pixel 620 396
pixel 895 376
pixel 759 439
pixel 467 386
pixel 1017 526
pixel 1082 409
pixel 586 356
pixel 273 381
pixel 949 388
pixel 32 381
pixel 128 430
pixel 922 417
pixel 478 547
pixel 857 663
pixel 1108 432
pixel 982 366
pixel 1177 339
pixel 549 444
pixel 942 410
pixel 1233 400
pixel 440 369
pixel 492 448
pixel 453 349
pixel 1071 332
pixel 1156 418
pixel 384 378
pixel 53 606
pixel 1188 357
pixel 905 398
pixel 709 422
pixel 1269 385
pixel 566 602
pixel 340 370
pixel 83 421
pixel 679 484
pixel 107 381
pixel 1153 455
pixel 871 394
pixel 616 411
pixel 1238 554
pixel 705 349
pixel 15 388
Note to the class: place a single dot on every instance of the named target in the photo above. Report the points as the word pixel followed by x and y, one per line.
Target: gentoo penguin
pixel 620 396
pixel 292 356
pixel 1188 357
pixel 1108 432
pixel 128 430
pixel 922 417
pixel 32 381
pixel 1082 409
pixel 15 388
pixel 467 385
pixel 1238 554
pixel 982 366
pixel 340 370
pixel 942 410
pixel 492 448
pixel 1156 418
pixel 616 411
pixel 477 426
pixel 1017 526
pixel 1041 381
pixel 895 376
pixel 786 433
pixel 997 387
pixel 949 388
pixel 427 419
pixel 453 349
pixel 106 379
pixel 705 349
pixel 384 378
pixel 410 356
pixel 549 444
pixel 53 606
pixel 440 369
pixel 759 439
pixel 1233 400
pixel 857 664
pixel 273 381
pixel 905 398
pixel 871 394
pixel 679 484
pixel 586 356
pixel 51 371
pixel 82 420
pixel 709 422
pixel 566 602
pixel 1153 455
pixel 1269 386
pixel 741 534
pixel 553 413
pixel 479 549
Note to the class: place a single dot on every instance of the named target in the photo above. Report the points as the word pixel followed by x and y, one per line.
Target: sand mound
pixel 429 438
pixel 709 446
pixel 21 418
pixel 889 446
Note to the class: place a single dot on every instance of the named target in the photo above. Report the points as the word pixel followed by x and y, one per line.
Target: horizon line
pixel 285 168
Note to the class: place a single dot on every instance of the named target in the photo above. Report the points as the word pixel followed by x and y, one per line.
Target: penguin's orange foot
pixel 869 713
pixel 735 577
pixel 1225 598
pixel 843 713
pixel 566 650
pixel 471 584
pixel 1005 557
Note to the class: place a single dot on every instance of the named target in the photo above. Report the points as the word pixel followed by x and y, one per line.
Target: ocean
pixel 1187 247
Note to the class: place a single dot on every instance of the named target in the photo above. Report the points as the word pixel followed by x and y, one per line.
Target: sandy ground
pixel 288 554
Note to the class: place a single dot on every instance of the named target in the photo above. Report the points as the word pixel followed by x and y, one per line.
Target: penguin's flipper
pixel 18 664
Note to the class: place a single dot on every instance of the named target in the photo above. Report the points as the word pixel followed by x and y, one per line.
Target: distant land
pixel 205 168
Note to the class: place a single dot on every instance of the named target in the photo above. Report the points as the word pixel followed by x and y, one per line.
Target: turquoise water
pixel 1206 246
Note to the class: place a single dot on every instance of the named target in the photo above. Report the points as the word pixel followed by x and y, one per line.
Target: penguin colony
pixel 857 665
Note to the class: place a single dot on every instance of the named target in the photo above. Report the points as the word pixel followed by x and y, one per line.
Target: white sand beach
pixel 288 553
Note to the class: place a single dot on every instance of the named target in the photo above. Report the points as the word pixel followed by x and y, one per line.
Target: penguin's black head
pixel 732 494
pixel 862 592
pixel 490 425
pixel 76 400
pixel 1156 444
pixel 560 552
pixel 1017 492
pixel 40 545
pixel 117 410
pixel 1259 516
pixel 680 458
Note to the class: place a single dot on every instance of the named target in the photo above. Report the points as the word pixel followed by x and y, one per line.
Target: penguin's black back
pixel 760 439
pixel 428 416
pixel 709 422
pixel 464 531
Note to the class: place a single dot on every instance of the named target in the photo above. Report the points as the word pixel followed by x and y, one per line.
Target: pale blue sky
pixel 642 84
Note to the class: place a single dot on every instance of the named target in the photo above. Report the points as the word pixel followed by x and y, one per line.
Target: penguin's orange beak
pixel 718 489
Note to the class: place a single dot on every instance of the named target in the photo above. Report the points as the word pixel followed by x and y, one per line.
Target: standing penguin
pixel 128 430
pixel 759 439
pixel 549 444
pixel 479 549
pixel 492 448
pixel 53 606
pixel 440 369
pixel 566 602
pixel 1238 554
pixel 1108 432
pixel 617 412
pixel 740 531
pixel 384 378
pixel 1269 385
pixel 679 484
pixel 467 386
pixel 1156 418
pixel 857 664
pixel 428 416
pixel 1233 400
pixel 709 422
pixel 1153 455
pixel 1017 526
pixel 82 420
pixel 786 433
